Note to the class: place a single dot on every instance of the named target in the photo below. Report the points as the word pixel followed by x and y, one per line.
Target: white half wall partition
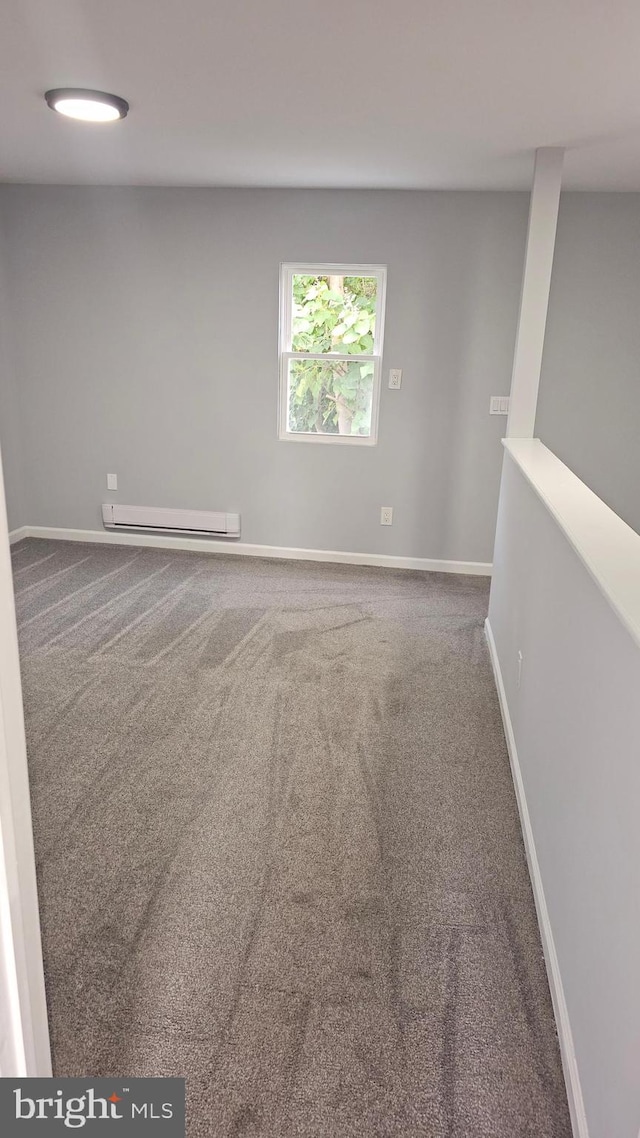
pixel 564 632
pixel 24 1032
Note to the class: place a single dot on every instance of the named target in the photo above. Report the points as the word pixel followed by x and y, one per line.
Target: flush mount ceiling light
pixel 90 106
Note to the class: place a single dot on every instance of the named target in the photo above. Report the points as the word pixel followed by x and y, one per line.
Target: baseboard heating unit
pixel 175 521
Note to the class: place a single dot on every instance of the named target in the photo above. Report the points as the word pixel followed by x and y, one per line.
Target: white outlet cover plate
pixel 112 481
pixel 386 515
pixel 395 378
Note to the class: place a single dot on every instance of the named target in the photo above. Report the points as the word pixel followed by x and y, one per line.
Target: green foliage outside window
pixel 332 314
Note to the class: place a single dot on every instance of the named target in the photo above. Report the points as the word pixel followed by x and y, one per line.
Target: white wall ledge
pixel 607 546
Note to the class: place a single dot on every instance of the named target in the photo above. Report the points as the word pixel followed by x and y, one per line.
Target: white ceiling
pixel 401 93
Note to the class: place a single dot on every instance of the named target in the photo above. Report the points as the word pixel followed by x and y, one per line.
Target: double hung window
pixel 331 329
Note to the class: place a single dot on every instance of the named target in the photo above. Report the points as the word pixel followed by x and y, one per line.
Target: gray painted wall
pixel 146 325
pixel 589 403
pixel 11 432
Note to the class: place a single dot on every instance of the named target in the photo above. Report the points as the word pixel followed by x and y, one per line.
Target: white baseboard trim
pixel 213 545
pixel 18 534
pixel 565 1036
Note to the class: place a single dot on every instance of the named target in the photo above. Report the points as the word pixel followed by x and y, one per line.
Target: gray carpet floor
pixel 278 847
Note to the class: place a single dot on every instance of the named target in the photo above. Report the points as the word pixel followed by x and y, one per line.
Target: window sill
pixel 333 440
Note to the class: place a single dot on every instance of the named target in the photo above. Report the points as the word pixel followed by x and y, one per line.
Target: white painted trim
pixel 281 552
pixel 565 1035
pixel 534 297
pixel 18 534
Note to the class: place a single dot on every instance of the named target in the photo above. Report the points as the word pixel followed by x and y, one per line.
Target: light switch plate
pixel 112 481
pixel 499 405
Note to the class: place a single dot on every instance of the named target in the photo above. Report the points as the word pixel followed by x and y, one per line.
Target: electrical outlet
pixel 519 668
pixel 112 481
pixel 386 515
pixel 395 378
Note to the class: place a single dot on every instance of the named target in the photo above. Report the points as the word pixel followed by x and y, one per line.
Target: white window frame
pixel 287 273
